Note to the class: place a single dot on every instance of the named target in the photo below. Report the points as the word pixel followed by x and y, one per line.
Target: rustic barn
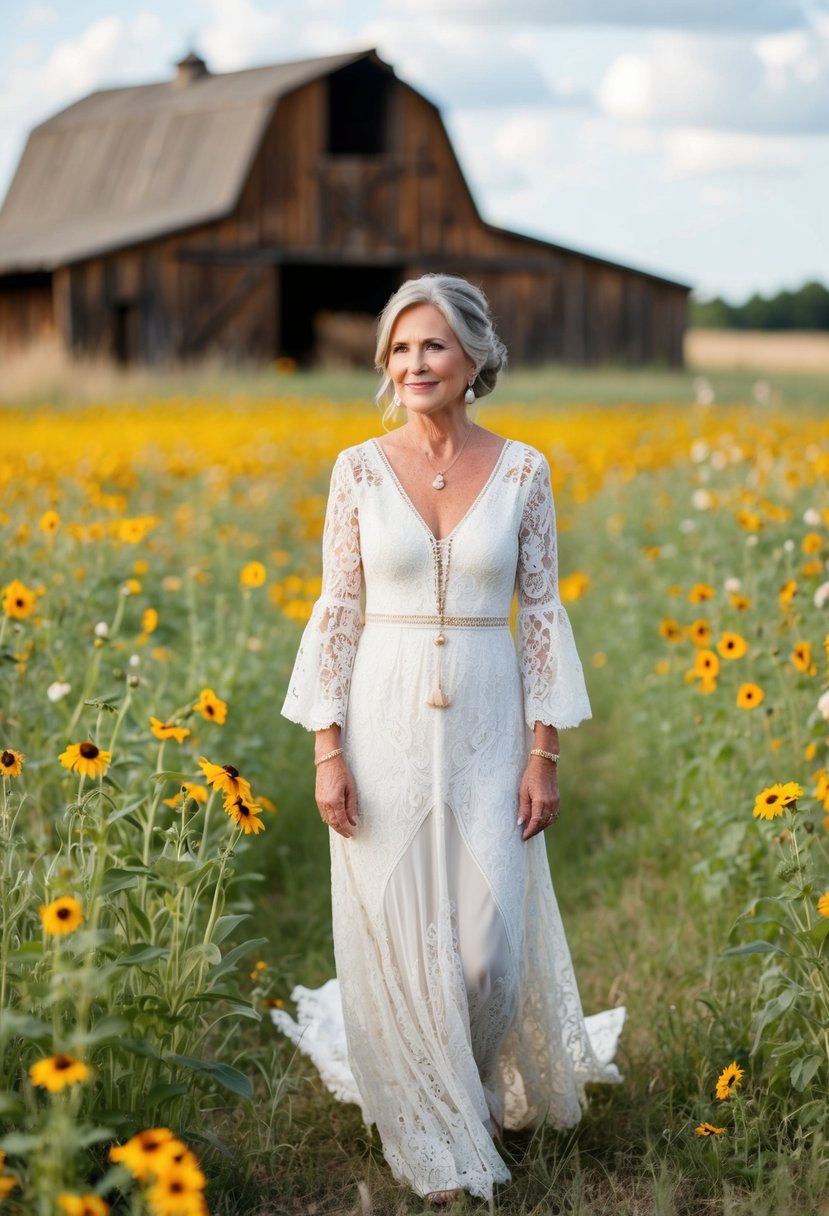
pixel 236 214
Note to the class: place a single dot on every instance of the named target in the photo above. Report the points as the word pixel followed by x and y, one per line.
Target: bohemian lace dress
pixel 456 1004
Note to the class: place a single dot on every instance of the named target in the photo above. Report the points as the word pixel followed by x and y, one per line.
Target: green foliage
pixel 806 308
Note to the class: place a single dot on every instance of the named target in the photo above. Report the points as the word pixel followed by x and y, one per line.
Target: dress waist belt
pixel 444 622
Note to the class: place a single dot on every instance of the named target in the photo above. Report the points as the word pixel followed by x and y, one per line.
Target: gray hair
pixel 466 310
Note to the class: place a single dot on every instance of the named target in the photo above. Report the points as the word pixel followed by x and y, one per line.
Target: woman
pixel 461 1010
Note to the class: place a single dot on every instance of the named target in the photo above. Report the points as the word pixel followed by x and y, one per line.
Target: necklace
pixel 440 477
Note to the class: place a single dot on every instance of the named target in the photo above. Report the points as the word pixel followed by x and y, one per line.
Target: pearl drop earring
pixel 469 395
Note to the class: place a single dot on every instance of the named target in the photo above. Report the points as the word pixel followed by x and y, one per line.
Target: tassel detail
pixel 438 698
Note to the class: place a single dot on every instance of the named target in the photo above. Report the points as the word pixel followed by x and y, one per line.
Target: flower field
pixel 163 874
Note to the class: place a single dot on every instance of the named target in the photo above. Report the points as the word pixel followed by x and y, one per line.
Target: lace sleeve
pixel 318 690
pixel 551 672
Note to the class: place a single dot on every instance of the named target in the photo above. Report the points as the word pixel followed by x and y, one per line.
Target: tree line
pixel 806 308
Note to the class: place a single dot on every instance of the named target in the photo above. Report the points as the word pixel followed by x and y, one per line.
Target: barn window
pixel 358 104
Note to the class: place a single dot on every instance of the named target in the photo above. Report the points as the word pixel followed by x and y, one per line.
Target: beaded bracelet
pixel 338 751
pixel 537 751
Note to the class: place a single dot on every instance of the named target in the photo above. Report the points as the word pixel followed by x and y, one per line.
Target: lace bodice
pixel 376 544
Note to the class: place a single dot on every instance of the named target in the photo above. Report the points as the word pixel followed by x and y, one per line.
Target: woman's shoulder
pixel 521 461
pixel 361 461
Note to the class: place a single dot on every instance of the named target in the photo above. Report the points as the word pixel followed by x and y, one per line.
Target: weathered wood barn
pixel 227 214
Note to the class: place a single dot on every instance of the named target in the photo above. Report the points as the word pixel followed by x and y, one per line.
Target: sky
pixel 685 137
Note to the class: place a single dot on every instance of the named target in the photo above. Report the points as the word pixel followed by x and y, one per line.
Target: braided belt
pixel 457 622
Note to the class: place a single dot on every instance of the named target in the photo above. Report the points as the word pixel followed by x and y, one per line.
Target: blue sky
pixel 690 137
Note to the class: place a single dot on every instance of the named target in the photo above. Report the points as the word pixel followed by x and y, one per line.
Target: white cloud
pixel 242 33
pixel 695 152
pixel 652 14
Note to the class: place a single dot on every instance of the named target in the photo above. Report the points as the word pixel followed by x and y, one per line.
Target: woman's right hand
pixel 336 796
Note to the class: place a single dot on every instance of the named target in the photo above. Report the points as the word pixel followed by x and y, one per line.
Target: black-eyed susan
pixel 18 600
pixel 812 543
pixel 267 804
pixel 7 1184
pixel 670 630
pixel 62 915
pixel 245 813
pixel 11 762
pixel 700 592
pixel 729 1080
pixel 787 593
pixel 189 789
pixel 149 620
pixel 253 575
pixel 168 730
pixel 86 758
pixel 211 707
pixel 706 664
pixel 732 646
pixel 49 522
pixel 177 1193
pixel 708 1129
pixel 226 778
pixel 700 632
pixel 142 1153
pixel 749 696
pixel 749 521
pixel 774 800
pixel 573 586
pixel 86 1204
pixel 802 658
pixel 823 904
pixel 739 601
pixel 707 684
pixel 56 1072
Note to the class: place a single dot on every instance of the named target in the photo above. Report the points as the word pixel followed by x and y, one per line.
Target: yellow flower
pixel 144 1152
pixel 708 1129
pixel 132 586
pixel 812 543
pixel 773 801
pixel 729 1079
pixel 166 730
pixel 177 1193
pixel 802 658
pixel 56 1072
pixel 749 696
pixel 823 904
pixel 49 522
pixel 149 620
pixel 810 751
pixel 750 521
pixel 706 664
pixel 787 593
pixel 707 684
pixel 700 632
pixel 225 778
pixel 267 804
pixel 253 575
pixel 573 586
pixel 82 1205
pixel 18 600
pixel 700 592
pixel 211 707
pixel 670 629
pixel 245 813
pixel 741 602
pixel 7 1184
pixel 85 758
pixel 11 762
pixel 188 790
pixel 62 915
pixel 732 646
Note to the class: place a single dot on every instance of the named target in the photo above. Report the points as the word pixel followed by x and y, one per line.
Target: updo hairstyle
pixel 466 310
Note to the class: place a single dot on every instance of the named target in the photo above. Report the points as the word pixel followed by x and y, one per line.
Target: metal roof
pixel 128 164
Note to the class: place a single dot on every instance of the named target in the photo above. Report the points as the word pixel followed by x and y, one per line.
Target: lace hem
pixel 551 672
pixel 317 694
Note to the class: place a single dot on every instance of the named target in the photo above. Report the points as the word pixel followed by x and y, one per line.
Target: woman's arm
pixel 336 791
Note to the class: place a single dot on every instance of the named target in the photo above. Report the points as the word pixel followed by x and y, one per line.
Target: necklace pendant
pixel 438 483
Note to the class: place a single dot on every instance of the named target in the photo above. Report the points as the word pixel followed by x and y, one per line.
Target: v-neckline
pixel 440 540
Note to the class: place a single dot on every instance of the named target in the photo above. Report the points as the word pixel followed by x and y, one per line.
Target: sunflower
pixel 142 1154
pixel 82 1205
pixel 700 632
pixel 85 758
pixel 802 658
pixel 211 707
pixel 749 696
pixel 773 801
pixel 708 1129
pixel 11 762
pixel 670 629
pixel 732 646
pixel 167 730
pixel 245 813
pixel 706 664
pixel 226 778
pixel 700 592
pixel 729 1080
pixel 823 904
pixel 18 600
pixel 56 1072
pixel 253 575
pixel 62 915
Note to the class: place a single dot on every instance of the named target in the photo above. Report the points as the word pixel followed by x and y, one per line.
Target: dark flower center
pixel 231 771
pixel 63 913
pixel 210 709
pixel 61 1063
pixel 88 750
pixel 19 602
pixel 7 759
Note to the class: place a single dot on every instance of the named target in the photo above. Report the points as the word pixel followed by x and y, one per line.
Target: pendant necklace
pixel 439 481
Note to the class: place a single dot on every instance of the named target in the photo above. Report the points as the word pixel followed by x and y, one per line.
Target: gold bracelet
pixel 338 751
pixel 537 751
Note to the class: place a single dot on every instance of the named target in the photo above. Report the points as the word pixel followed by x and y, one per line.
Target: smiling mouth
pixel 421 383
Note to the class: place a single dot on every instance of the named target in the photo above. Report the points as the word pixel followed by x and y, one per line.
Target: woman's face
pixel 428 366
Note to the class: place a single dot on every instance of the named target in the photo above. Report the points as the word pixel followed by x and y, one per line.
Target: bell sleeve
pixel 318 689
pixel 551 672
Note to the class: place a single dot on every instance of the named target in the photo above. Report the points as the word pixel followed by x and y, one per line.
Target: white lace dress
pixel 457 1002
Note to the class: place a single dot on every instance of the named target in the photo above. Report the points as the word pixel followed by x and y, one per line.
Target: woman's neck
pixel 439 432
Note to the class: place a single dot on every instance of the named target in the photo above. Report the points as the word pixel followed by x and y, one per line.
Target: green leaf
pixel 110 704
pixel 226 924
pixel 11 1106
pixel 118 880
pixel 227 1076
pixel 24 1025
pixel 165 1091
pixel 759 947
pixel 143 953
pixel 171 775
pixel 140 917
pixel 141 1047
pixel 233 956
pixel 18 1143
pixel 818 932
pixel 804 1070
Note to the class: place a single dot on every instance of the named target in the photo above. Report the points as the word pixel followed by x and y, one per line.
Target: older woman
pixel 437 751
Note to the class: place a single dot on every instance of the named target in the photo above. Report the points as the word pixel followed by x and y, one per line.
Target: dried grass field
pixel 164 874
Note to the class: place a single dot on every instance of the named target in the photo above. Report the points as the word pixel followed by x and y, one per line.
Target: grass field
pixel 693 540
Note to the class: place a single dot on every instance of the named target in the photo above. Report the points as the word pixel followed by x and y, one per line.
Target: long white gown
pixel 457 1000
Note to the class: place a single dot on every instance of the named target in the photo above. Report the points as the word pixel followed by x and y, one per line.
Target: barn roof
pixel 128 164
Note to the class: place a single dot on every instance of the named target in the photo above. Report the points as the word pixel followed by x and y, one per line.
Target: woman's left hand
pixel 538 797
